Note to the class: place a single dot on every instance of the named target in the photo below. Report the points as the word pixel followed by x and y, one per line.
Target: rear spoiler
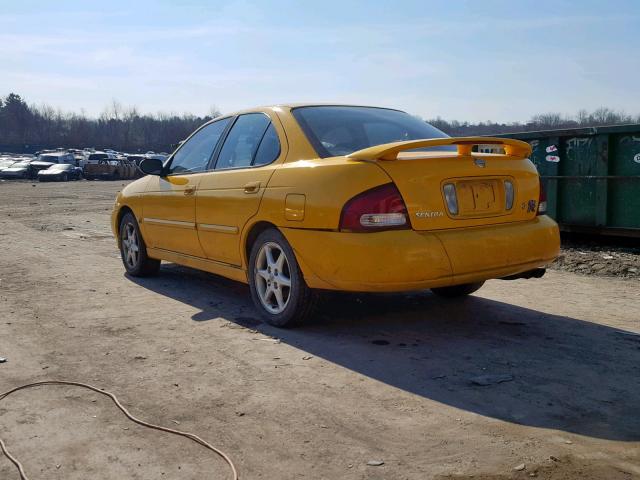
pixel 390 151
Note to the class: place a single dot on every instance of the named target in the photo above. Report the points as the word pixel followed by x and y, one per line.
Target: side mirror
pixel 151 166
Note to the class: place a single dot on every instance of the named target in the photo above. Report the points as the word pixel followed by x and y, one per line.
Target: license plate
pixel 477 197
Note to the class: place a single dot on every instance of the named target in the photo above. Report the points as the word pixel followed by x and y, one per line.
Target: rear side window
pixel 269 148
pixel 194 155
pixel 243 140
pixel 338 130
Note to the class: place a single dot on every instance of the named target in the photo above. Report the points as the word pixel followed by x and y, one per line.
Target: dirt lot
pixel 607 260
pixel 380 377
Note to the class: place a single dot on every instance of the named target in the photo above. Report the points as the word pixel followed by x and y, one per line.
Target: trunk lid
pixel 479 182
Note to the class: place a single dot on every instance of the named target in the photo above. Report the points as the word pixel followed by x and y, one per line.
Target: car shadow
pixel 558 372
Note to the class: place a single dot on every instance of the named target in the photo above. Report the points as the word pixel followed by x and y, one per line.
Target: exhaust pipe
pixel 535 273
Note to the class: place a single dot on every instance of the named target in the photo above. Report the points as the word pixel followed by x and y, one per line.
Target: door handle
pixel 253 187
pixel 190 190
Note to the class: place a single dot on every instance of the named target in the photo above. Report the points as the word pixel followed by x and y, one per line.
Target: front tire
pixel 133 249
pixel 457 290
pixel 277 286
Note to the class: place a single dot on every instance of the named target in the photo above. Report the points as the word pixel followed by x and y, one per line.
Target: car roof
pixel 55 154
pixel 291 106
pixel 327 104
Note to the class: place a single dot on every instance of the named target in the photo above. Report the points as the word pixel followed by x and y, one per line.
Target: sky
pixel 467 60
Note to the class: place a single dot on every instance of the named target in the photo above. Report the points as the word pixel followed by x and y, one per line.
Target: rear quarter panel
pixel 317 190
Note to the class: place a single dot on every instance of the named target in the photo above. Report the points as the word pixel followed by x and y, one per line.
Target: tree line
pixel 25 127
pixel 546 121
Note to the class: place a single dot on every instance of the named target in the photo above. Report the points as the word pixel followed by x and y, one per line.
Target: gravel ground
pixel 527 378
pixel 605 261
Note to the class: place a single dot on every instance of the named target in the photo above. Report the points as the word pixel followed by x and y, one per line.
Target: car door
pixel 230 195
pixel 169 207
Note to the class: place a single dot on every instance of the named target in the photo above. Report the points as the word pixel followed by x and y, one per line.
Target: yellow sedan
pixel 296 199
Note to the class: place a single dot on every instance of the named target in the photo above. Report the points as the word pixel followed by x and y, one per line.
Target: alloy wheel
pixel 130 245
pixel 272 277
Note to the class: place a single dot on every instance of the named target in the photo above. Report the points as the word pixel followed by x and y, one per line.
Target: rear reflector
pixel 451 198
pixel 508 195
pixel 381 208
pixel 542 200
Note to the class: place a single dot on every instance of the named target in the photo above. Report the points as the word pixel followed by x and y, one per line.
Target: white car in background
pixel 6 162
pixel 21 169
pixel 57 157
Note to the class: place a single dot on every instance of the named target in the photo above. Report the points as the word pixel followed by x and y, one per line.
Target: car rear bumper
pixel 406 260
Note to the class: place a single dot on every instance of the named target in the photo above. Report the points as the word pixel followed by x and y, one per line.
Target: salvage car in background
pixel 79 156
pixel 297 199
pixel 18 170
pixel 110 169
pixel 60 173
pixel 38 165
pixel 6 162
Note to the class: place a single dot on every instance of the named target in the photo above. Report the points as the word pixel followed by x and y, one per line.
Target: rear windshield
pixel 335 131
pixel 98 156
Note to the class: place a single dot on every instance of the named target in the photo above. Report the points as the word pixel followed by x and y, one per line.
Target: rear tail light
pixel 542 200
pixel 508 195
pixel 381 208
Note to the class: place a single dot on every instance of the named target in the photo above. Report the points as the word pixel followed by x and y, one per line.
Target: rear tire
pixel 133 249
pixel 277 286
pixel 457 290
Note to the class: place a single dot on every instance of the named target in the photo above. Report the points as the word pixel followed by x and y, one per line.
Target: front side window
pixel 336 130
pixel 242 143
pixel 194 155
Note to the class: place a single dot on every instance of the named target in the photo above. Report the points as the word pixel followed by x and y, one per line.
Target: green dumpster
pixel 591 176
